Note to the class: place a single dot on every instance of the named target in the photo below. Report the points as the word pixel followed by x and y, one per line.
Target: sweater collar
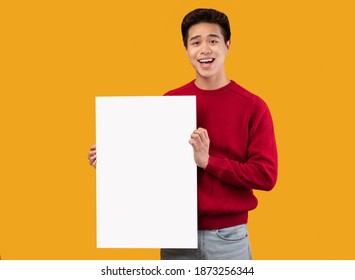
pixel 213 91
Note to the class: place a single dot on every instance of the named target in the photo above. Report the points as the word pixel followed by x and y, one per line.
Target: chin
pixel 205 75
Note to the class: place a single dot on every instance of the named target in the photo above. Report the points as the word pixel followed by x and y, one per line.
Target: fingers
pixel 200 143
pixel 199 136
pixel 92 156
pixel 92 159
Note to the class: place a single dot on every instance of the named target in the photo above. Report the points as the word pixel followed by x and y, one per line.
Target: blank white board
pixel 146 178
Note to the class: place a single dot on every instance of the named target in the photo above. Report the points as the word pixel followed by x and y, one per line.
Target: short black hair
pixel 207 16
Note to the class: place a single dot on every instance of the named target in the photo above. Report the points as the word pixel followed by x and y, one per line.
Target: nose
pixel 205 49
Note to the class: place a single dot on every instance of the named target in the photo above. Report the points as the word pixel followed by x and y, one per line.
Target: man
pixel 234 146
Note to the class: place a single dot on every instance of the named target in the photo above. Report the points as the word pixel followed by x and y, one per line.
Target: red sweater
pixel 243 153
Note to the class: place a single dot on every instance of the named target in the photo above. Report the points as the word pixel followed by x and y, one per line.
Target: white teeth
pixel 206 60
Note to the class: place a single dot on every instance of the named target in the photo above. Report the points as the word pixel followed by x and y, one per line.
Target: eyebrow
pixel 199 36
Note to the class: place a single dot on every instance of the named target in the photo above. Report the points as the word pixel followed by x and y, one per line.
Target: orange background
pixel 56 56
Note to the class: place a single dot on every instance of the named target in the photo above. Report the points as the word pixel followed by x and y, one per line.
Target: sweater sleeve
pixel 260 169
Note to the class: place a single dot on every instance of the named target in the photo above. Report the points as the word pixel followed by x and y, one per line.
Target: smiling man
pixel 234 146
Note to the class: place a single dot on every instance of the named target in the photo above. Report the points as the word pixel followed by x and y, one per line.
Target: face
pixel 207 50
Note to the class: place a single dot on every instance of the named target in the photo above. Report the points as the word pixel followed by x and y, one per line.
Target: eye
pixel 195 43
pixel 213 42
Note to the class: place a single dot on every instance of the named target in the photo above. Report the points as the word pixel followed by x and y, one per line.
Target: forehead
pixel 204 29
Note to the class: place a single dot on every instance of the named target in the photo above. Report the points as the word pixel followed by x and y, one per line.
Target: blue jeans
pixel 221 244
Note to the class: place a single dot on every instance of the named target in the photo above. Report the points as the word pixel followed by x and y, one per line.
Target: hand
pixel 201 145
pixel 92 156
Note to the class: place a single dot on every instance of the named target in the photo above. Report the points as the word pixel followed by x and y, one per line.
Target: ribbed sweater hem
pixel 222 221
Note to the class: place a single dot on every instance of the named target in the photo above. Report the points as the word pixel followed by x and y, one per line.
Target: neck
pixel 211 83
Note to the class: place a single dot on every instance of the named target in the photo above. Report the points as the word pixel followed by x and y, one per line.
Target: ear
pixel 228 44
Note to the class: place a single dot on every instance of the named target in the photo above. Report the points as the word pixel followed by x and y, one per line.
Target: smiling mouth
pixel 206 61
